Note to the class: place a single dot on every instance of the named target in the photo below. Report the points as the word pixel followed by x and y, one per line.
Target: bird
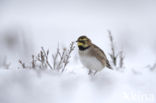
pixel 91 56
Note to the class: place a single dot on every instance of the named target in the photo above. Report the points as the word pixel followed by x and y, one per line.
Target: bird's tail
pixel 108 65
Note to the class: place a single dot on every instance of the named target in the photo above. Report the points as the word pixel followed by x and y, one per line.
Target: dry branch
pixel 58 63
pixel 152 67
pixel 4 63
pixel 117 58
pixel 113 54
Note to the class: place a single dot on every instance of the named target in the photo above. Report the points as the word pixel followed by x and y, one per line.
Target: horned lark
pixel 91 56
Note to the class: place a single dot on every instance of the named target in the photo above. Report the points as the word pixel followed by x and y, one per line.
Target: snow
pixel 28 86
pixel 26 25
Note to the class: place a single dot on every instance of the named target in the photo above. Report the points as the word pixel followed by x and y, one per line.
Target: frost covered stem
pixel 112 54
pixel 68 55
pixel 46 53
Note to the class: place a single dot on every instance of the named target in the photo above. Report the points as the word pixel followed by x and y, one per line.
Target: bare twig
pixel 54 57
pixel 5 63
pixel 46 53
pixel 121 59
pixel 23 64
pixel 113 52
pixel 152 67
pixel 33 62
pixel 59 59
pixel 116 57
pixel 66 60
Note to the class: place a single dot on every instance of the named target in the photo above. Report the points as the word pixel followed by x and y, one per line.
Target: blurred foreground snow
pixel 75 86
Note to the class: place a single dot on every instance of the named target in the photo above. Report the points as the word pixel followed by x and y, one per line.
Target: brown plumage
pixel 100 55
pixel 91 55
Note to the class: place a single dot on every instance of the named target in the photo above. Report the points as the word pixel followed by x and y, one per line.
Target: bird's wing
pixel 100 55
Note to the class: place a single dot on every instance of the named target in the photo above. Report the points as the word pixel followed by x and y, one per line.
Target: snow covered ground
pixel 26 25
pixel 28 86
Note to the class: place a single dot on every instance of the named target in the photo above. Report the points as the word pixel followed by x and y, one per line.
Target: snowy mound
pixel 29 86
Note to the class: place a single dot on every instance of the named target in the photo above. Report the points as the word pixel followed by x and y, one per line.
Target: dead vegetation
pixel 117 57
pixel 60 59
pixel 151 67
pixel 4 63
pixel 57 62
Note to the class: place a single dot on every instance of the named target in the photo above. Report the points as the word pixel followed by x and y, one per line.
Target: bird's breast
pixel 89 61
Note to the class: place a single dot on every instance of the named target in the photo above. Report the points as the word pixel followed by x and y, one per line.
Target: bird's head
pixel 83 42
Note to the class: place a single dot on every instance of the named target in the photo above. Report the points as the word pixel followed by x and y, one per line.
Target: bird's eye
pixel 82 41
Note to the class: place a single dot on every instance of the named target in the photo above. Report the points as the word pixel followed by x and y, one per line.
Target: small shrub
pixel 151 67
pixel 4 63
pixel 117 57
pixel 58 63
